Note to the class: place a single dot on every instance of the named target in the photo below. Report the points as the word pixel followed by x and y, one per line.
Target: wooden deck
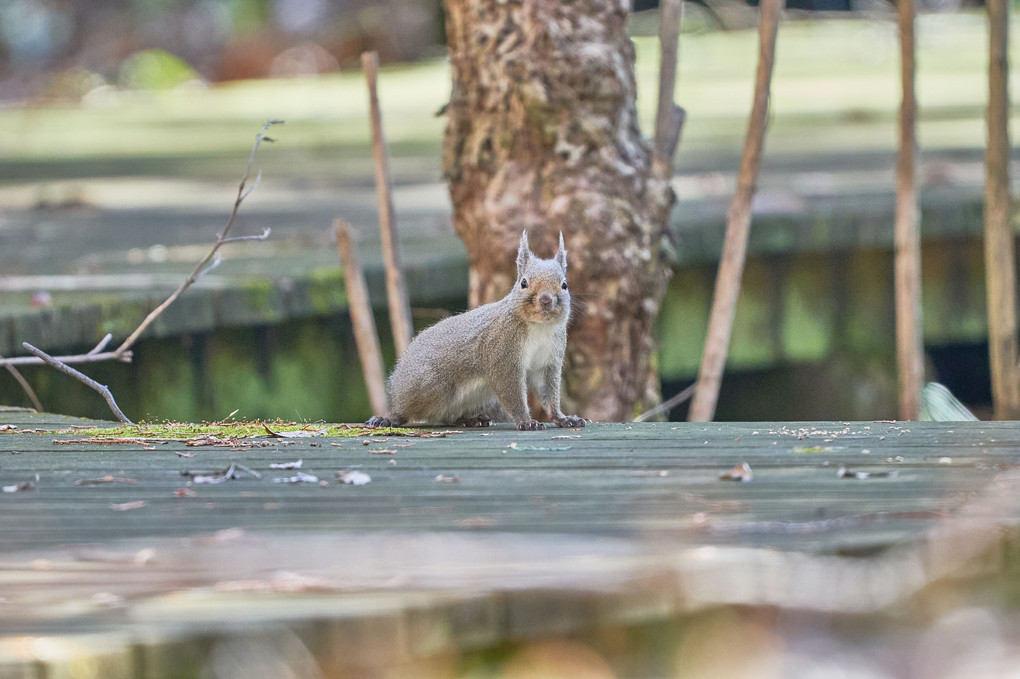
pixel 613 544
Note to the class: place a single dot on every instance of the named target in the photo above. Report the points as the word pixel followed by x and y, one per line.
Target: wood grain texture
pixel 484 537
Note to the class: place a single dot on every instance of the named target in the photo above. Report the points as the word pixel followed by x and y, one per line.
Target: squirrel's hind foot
pixel 480 421
pixel 571 421
pixel 530 425
pixel 376 421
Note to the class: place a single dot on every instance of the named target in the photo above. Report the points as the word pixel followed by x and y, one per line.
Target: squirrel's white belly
pixel 539 347
pixel 471 396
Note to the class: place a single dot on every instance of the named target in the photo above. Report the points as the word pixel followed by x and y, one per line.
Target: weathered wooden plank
pixel 529 541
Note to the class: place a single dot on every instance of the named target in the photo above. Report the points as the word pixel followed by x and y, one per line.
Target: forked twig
pixel 81 377
pixel 221 238
pixel 123 352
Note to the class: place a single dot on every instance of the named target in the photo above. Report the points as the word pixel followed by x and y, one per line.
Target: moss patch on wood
pixel 250 429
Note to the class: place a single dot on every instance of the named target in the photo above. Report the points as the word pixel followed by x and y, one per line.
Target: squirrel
pixel 477 366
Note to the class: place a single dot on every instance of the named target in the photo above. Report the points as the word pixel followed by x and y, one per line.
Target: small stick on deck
pixel 738 225
pixel 365 335
pixel 396 291
pixel 81 377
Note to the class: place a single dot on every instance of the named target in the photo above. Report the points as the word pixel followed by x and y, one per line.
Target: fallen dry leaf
pixel 516 446
pixel 476 522
pixel 300 477
pixel 353 477
pixel 296 464
pixel 184 492
pixel 742 472
pixel 126 506
pixel 205 440
pixel 18 487
pixel 8 427
pixel 225 535
pixel 104 479
pixel 844 473
pixel 447 479
pixel 383 451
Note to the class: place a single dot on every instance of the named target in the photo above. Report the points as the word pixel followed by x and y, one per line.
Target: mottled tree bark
pixel 543 135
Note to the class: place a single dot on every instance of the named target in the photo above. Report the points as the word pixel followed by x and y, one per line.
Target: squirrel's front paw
pixel 530 425
pixel 571 421
pixel 376 421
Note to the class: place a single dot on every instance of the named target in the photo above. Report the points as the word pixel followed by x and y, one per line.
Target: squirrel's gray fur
pixel 477 366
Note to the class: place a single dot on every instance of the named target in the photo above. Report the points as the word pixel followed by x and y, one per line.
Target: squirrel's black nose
pixel 545 299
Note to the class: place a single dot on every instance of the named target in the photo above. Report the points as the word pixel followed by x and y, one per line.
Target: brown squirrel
pixel 476 367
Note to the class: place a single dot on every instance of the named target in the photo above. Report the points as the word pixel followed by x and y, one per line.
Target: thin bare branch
pixel 738 225
pixel 81 377
pixel 907 231
pixel 100 357
pixel 95 355
pixel 217 260
pixel 123 353
pixel 220 240
pixel 25 386
pixel 102 344
pixel 667 405
pixel 261 236
pixel 365 335
pixel 396 288
pixel 254 185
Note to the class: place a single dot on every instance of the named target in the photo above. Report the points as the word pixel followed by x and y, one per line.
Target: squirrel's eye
pixel 564 284
pixel 524 283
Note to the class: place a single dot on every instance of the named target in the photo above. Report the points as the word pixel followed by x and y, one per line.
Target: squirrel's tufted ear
pixel 561 254
pixel 523 253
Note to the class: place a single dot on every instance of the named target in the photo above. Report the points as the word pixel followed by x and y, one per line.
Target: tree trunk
pixel 543 135
pixel 907 236
pixel 1000 257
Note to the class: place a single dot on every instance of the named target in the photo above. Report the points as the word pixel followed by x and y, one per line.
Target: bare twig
pixel 365 334
pixel 102 344
pixel 738 225
pixel 242 193
pixel 81 377
pixel 95 355
pixel 667 405
pixel 25 386
pixel 261 236
pixel 123 352
pixel 396 291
